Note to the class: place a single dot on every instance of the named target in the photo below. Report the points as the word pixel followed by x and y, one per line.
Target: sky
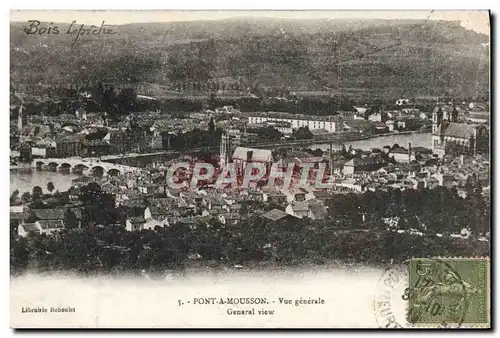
pixel 474 20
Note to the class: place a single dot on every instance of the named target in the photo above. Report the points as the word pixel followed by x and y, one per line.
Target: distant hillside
pixel 342 57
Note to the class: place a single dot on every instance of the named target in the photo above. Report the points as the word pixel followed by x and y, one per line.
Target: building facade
pixel 448 135
pixel 316 122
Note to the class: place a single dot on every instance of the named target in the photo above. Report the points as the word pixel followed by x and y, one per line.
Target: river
pixel 416 140
pixel 25 180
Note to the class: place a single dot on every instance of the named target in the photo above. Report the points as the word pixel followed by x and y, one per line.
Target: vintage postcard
pixel 239 169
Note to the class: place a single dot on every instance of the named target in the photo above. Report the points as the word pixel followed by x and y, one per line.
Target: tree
pixel 14 197
pixel 127 100
pixel 303 133
pixel 211 126
pixel 70 219
pixel 99 205
pixel 108 101
pixel 134 125
pixel 344 152
pixel 269 133
pixel 469 186
pixel 26 197
pixel 212 101
pixel 50 186
pixel 37 192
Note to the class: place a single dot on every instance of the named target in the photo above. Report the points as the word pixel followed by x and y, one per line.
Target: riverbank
pixel 20 167
pixel 360 137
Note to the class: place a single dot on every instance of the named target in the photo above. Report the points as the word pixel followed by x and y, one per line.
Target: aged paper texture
pixel 271 169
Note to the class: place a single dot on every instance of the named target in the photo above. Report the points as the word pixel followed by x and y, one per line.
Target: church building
pixel 449 136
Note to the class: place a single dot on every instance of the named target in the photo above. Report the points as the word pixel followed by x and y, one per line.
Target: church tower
pixel 20 119
pixel 224 149
pixel 454 115
pixel 437 120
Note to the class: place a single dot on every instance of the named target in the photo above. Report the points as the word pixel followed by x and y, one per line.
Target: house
pixel 163 202
pixel 298 195
pixel 133 203
pixel 298 209
pixel 229 218
pixel 159 214
pixel 373 186
pixel 110 188
pixel 24 229
pixel 318 210
pixel 152 223
pixel 279 216
pixel 173 193
pixel 323 195
pixel 51 225
pixel 316 161
pixel 370 163
pixel 376 117
pixel 256 195
pixel 462 192
pixel 348 185
pixel 194 197
pixel 150 188
pixel 70 145
pixel 432 182
pixel 419 183
pixel 422 151
pixel 390 125
pixel 479 117
pixel 403 155
pixel 445 179
pixel 17 212
pixel 215 202
pixel 274 196
pixel 16 216
pixel 135 223
pixel 235 208
pixel 409 183
pixel 49 220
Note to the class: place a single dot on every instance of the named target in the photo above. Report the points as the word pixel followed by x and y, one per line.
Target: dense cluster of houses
pixel 148 201
pixel 68 134
pixel 356 171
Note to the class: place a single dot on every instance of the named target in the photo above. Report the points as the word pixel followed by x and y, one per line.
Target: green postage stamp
pixel 449 292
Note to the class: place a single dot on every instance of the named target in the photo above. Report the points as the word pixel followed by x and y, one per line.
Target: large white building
pixel 312 122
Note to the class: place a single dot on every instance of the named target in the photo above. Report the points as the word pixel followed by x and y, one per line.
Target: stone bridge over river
pixel 83 166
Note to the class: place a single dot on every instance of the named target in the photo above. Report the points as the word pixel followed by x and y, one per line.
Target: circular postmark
pixel 391 299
